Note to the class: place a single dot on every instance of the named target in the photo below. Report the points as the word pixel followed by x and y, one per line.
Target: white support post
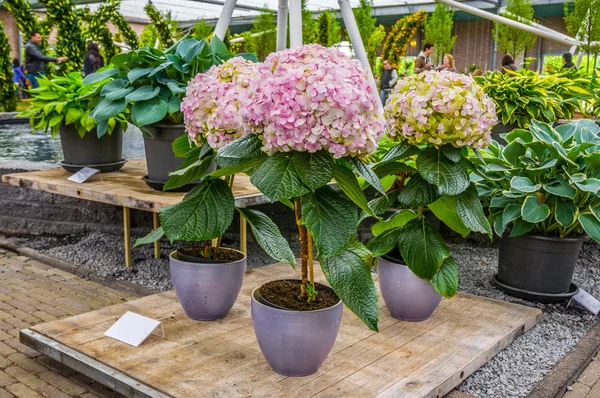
pixel 225 18
pixel 282 18
pixel 295 23
pixel 355 39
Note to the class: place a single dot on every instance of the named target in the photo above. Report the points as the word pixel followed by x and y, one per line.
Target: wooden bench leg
pixel 156 223
pixel 127 235
pixel 243 231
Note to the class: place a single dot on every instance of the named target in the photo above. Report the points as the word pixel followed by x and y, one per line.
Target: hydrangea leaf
pixel 315 169
pixel 446 279
pixel 277 177
pixel 422 248
pixel 450 178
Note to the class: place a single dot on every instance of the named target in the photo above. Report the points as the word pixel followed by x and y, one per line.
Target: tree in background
pixel 438 30
pixel 582 18
pixel 163 24
pixel 72 43
pixel 310 26
pixel 364 19
pixel 149 37
pixel 328 29
pixel 403 31
pixel 202 30
pixel 262 38
pixel 373 45
pixel 27 21
pixel 8 91
pixel 513 41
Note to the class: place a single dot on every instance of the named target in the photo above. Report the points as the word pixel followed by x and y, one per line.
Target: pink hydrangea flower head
pixel 441 108
pixel 211 107
pixel 313 98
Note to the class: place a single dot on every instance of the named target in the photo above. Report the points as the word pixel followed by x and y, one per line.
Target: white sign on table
pixel 588 301
pixel 83 175
pixel 134 329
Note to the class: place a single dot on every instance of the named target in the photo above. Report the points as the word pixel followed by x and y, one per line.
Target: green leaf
pixel 173 105
pixel 181 146
pixel 349 274
pixel 348 183
pixel 384 243
pixel 445 209
pixel 381 204
pixel 277 177
pixel 331 219
pixel 152 237
pixel 590 224
pixel 561 189
pixel 520 227
pixel 242 167
pixel 144 113
pixel 471 212
pixel 101 128
pixel 446 279
pixel 418 192
pixel 566 212
pixel 205 213
pixel 136 73
pixel 524 184
pixel 566 131
pixel 245 147
pixel 100 75
pixel 513 152
pixel 544 132
pixel 400 151
pixel 107 109
pixel 268 236
pixel 450 178
pixel 510 214
pixel 191 169
pixel 73 114
pixel 218 47
pixel 176 88
pixel 397 220
pixel 392 168
pixel 533 211
pixel 501 201
pixel 422 248
pixel 589 185
pixel 451 153
pixel 315 169
pixel 585 130
pixel 143 93
pixel 367 173
pixel 118 94
pixel 548 163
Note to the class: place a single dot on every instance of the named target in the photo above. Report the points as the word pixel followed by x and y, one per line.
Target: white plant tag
pixel 133 328
pixel 83 174
pixel 588 301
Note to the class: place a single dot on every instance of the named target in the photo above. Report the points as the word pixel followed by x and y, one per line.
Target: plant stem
pixel 218 242
pixel 311 264
pixel 420 211
pixel 303 238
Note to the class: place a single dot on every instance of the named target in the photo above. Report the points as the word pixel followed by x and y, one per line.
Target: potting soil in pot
pixel 204 252
pixel 285 294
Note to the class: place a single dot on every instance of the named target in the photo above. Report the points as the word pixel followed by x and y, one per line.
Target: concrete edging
pixel 81 271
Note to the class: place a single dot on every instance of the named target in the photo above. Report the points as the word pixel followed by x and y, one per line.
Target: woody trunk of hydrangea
pixel 306 257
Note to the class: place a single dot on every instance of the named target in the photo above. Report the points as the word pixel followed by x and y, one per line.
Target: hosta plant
pixel 435 118
pixel 309 117
pixel 545 181
pixel 66 100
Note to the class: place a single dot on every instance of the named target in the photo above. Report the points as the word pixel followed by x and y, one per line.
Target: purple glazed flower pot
pixel 206 291
pixel 295 343
pixel 408 297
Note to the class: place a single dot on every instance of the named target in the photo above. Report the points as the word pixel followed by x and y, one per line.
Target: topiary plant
pixel 8 91
pixel 161 24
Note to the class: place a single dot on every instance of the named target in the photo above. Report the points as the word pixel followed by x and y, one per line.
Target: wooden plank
pixel 123 188
pixel 222 358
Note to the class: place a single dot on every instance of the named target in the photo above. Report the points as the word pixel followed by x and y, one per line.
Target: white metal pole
pixel 355 39
pixel 509 22
pixel 295 23
pixel 224 19
pixel 282 17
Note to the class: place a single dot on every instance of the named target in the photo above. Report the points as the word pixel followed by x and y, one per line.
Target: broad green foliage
pixel 545 181
pixel 66 100
pixel 262 38
pixel 511 40
pixel 438 30
pixel 8 91
pixel 163 24
pixel 582 18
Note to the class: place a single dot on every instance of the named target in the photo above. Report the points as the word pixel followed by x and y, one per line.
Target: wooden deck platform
pixel 222 358
pixel 123 188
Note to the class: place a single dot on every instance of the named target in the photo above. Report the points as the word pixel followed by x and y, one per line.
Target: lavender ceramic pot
pixel 295 343
pixel 408 297
pixel 206 291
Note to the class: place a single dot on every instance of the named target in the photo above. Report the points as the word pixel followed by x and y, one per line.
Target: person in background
pixel 93 60
pixel 568 61
pixel 423 61
pixel 447 64
pixel 508 63
pixel 35 59
pixel 19 77
pixel 389 78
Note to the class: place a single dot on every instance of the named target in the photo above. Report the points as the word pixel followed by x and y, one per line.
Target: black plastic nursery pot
pixel 538 268
pixel 104 153
pixel 160 159
pixel 501 128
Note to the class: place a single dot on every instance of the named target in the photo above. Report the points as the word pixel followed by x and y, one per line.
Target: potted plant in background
pixel 64 105
pixel 310 114
pixel 435 117
pixel 542 195
pixel 151 83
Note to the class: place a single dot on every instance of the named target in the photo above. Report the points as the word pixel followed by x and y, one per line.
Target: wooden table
pixel 222 358
pixel 125 188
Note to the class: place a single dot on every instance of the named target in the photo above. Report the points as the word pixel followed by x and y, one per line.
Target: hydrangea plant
pixel 435 118
pixel 309 117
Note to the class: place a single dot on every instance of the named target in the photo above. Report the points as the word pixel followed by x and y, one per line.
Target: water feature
pixel 20 142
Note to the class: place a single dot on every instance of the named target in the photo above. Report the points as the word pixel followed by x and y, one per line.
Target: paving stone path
pixel 33 293
pixel 588 383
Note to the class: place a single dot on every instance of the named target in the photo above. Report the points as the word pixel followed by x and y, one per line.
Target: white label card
pixel 133 328
pixel 588 301
pixel 83 174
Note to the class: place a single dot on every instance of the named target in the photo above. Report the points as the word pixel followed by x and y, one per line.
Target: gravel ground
pixel 512 373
